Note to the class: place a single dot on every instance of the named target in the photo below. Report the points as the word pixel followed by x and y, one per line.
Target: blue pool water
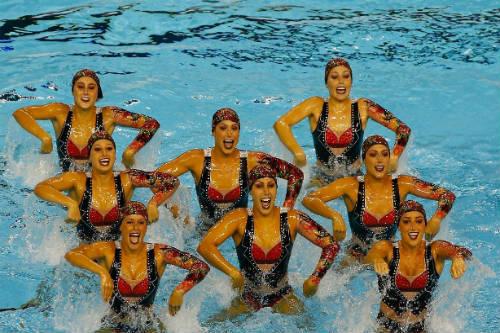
pixel 434 64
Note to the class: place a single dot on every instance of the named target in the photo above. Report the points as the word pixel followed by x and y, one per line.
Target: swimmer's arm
pixel 163 185
pixel 183 163
pixel 52 189
pixel 218 234
pixel 316 201
pixel 86 256
pixel 448 251
pixel 388 120
pixel 197 268
pixel 379 256
pixel 27 117
pixel 423 189
pixel 443 250
pixel 147 126
pixel 283 126
pixel 285 170
pixel 378 252
pixel 317 235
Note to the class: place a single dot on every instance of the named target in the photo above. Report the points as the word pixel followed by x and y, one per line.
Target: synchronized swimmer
pixel 111 228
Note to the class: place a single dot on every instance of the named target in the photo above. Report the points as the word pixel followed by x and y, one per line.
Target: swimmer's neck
pixel 257 215
pixel 377 182
pixel 81 111
pixel 102 177
pixel 412 250
pixel 132 252
pixel 218 154
pixel 339 106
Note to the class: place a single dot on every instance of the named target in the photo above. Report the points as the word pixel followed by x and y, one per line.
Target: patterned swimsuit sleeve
pixel 387 119
pixel 315 233
pixel 445 197
pixel 147 126
pixel 288 171
pixel 198 269
pixel 161 184
pixel 450 250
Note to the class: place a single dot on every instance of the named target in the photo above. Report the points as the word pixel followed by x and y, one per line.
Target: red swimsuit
pixel 387 220
pixel 419 283
pixel 139 290
pixel 342 141
pixel 217 197
pixel 98 220
pixel 261 257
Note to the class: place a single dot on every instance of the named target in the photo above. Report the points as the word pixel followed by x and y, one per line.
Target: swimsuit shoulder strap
pixel 360 203
pixel 395 193
pixel 99 123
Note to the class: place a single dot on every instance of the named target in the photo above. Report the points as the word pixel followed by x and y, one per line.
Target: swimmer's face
pixel 263 193
pixel 412 227
pixel 339 83
pixel 133 229
pixel 377 161
pixel 226 135
pixel 102 155
pixel 85 92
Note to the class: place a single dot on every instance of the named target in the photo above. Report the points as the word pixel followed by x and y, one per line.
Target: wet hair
pixel 261 171
pixel 133 208
pixel 225 114
pixel 372 141
pixel 411 206
pixel 335 62
pixel 99 135
pixel 88 73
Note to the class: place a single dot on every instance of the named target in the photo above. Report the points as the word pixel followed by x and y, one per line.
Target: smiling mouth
pixel 104 161
pixel 265 203
pixel 85 98
pixel 379 168
pixel 134 237
pixel 341 90
pixel 228 143
pixel 413 235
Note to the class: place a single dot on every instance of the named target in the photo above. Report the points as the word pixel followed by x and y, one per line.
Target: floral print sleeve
pixel 287 171
pixel 198 269
pixel 387 119
pixel 162 184
pixel 147 126
pixel 448 250
pixel 444 197
pixel 317 235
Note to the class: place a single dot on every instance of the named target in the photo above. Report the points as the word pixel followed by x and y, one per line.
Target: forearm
pixel 318 206
pixel 288 171
pixel 387 119
pixel 450 251
pixel 285 134
pixel 197 268
pixel 27 122
pixel 445 203
pixel 213 256
pixel 48 193
pixel 147 126
pixel 161 184
pixel 80 260
pixel 317 235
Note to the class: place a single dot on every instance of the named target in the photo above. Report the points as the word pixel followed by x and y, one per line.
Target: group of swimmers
pixel 112 228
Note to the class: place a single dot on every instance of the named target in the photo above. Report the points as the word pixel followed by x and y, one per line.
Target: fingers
pixel 106 289
pixel 173 309
pixel 339 230
pixel 381 268
pixel 458 268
